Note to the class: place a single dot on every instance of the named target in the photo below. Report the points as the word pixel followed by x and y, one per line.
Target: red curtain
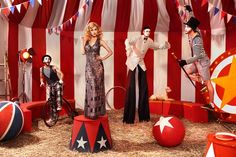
pixel 174 37
pixel 67 49
pixel 96 11
pixel 150 15
pixel 121 29
pixel 14 20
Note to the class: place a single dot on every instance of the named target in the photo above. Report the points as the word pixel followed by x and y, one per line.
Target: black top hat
pixel 193 23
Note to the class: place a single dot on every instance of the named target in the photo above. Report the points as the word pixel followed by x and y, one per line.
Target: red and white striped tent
pixel 54 27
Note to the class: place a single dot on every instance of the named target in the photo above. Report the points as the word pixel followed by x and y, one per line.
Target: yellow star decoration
pixel 228 83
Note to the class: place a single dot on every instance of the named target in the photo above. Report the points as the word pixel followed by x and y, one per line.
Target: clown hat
pixel 193 23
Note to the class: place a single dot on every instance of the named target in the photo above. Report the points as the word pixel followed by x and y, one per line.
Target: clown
pixel 136 50
pixel 53 77
pixel 199 63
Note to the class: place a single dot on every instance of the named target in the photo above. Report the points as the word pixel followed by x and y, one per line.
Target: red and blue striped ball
pixel 11 120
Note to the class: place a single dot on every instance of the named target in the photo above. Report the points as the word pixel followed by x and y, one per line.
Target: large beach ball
pixel 169 131
pixel 11 120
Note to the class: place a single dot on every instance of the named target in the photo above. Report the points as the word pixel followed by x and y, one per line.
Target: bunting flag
pixel 222 14
pixel 5 10
pixel 216 7
pixel 18 7
pixel 33 26
pixel 216 10
pixel 229 16
pixel 210 7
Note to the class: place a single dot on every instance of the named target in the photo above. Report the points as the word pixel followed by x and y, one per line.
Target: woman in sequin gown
pixel 94 71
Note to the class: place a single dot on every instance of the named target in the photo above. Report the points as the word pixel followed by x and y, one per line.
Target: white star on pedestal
pixel 102 143
pixel 164 122
pixel 210 151
pixel 81 142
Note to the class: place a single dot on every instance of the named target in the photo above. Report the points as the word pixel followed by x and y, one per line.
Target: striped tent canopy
pixel 54 27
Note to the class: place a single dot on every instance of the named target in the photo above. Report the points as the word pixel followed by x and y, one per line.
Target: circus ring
pixel 182 109
pixel 188 110
pixel 32 111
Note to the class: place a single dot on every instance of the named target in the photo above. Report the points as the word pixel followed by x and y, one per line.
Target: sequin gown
pixel 94 77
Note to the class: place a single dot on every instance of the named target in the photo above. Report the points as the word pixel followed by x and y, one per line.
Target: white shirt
pixel 140 46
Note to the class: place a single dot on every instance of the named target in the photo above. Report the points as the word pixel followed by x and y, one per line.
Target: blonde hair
pixel 88 28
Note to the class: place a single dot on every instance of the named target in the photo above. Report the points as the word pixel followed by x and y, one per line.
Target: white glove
pixel 60 81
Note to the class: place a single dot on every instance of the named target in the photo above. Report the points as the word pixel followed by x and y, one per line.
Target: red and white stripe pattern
pixel 119 19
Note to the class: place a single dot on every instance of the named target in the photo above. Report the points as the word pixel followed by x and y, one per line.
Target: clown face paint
pixel 46 60
pixel 187 29
pixel 146 32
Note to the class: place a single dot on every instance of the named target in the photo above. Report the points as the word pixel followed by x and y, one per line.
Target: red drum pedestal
pixel 174 108
pixel 166 107
pixel 220 148
pixel 90 135
pixel 194 113
pixel 156 106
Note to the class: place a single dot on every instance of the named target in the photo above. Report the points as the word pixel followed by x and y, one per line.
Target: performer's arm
pixel 108 49
pixel 195 58
pixel 156 46
pixel 198 51
pixel 82 44
pixel 128 48
pixel 41 77
pixel 59 73
pixel 132 41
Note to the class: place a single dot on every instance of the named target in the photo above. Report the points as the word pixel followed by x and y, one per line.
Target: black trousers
pixel 143 103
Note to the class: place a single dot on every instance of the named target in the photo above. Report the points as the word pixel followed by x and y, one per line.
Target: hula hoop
pixel 106 96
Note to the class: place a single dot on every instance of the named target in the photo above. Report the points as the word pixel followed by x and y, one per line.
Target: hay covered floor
pixel 128 140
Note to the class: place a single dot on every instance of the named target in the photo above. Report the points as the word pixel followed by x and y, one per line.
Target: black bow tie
pixel 145 38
